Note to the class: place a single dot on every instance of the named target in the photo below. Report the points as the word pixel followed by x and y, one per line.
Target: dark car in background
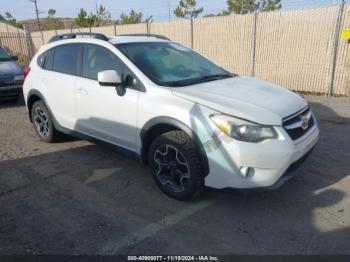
pixel 11 77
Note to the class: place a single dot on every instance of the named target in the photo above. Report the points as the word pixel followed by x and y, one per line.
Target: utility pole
pixel 169 10
pixel 335 49
pixel 148 21
pixel 37 19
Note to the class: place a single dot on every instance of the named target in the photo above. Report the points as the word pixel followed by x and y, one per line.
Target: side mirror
pixel 130 81
pixel 109 78
pixel 14 58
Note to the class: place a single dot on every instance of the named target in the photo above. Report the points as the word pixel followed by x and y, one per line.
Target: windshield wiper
pixel 209 78
pixel 175 83
pixel 187 82
pixel 214 77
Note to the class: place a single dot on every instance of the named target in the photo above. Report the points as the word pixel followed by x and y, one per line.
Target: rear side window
pixel 65 59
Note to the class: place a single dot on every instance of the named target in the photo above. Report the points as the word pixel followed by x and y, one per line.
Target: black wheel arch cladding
pixel 162 124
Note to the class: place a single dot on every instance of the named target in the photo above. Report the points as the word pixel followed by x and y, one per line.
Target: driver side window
pixel 96 59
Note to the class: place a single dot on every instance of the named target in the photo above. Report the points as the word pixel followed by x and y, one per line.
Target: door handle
pixel 82 91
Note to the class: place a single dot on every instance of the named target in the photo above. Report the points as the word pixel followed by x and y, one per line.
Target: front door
pixel 102 113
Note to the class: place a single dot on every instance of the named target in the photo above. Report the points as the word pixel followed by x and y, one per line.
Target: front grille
pixel 299 124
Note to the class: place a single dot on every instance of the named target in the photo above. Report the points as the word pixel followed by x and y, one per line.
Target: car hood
pixel 245 97
pixel 9 68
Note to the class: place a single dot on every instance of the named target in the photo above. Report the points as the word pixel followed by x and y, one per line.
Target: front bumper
pixel 272 162
pixel 10 92
pixel 289 173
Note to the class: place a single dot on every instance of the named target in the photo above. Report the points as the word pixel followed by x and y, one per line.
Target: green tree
pixel 52 22
pixel 270 5
pixel 249 6
pixel 187 9
pixel 9 17
pixel 81 20
pixel 11 20
pixel 132 18
pixel 91 20
pixel 240 6
pixel 51 13
pixel 102 16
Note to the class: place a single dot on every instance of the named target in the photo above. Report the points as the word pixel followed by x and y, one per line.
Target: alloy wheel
pixel 173 169
pixel 41 122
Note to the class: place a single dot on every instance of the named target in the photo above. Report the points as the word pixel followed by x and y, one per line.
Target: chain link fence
pixel 299 49
pixel 17 44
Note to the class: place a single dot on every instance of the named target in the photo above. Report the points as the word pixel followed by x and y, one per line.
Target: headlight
pixel 243 130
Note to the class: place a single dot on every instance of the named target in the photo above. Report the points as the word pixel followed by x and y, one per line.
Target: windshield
pixel 171 64
pixel 3 54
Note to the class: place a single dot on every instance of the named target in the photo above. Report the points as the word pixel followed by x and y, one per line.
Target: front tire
pixel 175 165
pixel 43 123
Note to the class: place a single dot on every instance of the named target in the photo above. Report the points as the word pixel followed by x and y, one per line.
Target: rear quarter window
pixel 44 60
pixel 41 59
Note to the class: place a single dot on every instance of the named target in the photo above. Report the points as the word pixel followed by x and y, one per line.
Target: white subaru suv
pixel 194 123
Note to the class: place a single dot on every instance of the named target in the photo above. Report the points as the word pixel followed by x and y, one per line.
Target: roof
pixel 129 38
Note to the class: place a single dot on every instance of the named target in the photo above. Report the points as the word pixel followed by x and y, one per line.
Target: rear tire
pixel 43 124
pixel 176 166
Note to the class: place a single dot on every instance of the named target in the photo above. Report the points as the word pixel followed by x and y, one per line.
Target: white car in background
pixel 193 122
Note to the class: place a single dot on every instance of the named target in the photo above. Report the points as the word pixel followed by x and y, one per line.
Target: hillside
pixel 63 22
pixel 4 27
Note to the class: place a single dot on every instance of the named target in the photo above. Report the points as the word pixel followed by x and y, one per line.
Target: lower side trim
pixel 121 150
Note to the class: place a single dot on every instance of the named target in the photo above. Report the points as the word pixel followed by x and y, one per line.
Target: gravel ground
pixel 75 197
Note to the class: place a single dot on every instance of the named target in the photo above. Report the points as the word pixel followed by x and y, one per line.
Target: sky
pixel 24 9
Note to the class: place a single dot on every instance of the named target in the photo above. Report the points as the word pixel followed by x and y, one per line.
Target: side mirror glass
pixel 109 78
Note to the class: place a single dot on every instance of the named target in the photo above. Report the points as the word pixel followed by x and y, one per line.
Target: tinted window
pixel 3 53
pixel 65 59
pixel 49 59
pixel 97 59
pixel 172 64
pixel 41 59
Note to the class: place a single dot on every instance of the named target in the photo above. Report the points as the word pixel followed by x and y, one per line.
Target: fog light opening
pixel 247 171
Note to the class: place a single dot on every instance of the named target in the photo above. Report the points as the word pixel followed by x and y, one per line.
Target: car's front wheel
pixel 176 166
pixel 43 123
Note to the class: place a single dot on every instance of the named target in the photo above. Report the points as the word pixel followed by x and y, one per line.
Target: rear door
pixel 59 80
pixel 102 113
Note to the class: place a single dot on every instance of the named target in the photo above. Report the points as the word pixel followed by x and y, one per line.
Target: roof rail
pixel 78 35
pixel 147 35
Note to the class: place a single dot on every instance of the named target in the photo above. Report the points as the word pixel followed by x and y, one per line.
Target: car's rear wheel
pixel 175 165
pixel 43 123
